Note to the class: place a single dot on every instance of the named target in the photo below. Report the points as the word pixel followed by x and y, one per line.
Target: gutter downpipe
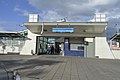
pixel 42 28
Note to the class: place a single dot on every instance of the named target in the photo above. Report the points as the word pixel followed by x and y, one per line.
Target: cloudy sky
pixel 15 12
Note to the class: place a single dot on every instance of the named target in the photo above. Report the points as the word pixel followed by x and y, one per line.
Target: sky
pixel 15 12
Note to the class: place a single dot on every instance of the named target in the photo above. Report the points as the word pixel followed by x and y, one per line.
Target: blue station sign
pixel 65 30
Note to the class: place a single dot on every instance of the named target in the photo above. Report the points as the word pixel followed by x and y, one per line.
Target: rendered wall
pixel 102 49
pixel 30 45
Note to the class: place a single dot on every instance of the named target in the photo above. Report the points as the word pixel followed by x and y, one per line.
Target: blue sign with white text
pixel 63 30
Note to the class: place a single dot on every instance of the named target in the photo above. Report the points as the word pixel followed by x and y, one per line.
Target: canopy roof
pixel 89 27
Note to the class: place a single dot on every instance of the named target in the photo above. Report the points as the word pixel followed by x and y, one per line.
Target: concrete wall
pixel 30 45
pixel 102 49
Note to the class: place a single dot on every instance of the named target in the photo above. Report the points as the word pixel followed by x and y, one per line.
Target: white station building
pixel 84 39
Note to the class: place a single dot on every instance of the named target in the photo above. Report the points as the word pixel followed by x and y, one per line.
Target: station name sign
pixel 64 30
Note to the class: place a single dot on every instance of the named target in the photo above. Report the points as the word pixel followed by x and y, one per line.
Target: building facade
pixel 85 39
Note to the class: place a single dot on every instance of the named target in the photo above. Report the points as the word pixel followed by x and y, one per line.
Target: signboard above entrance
pixel 65 30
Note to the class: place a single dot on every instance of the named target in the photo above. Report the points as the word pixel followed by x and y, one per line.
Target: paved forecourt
pixel 64 68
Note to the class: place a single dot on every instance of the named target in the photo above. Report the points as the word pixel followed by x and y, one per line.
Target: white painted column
pixel 30 45
pixel 62 49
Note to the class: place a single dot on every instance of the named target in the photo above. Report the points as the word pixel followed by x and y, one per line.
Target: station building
pixel 84 39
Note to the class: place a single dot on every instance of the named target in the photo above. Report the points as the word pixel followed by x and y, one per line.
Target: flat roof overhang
pixel 90 27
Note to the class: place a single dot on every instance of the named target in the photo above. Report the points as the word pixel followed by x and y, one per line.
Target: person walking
pixel 52 50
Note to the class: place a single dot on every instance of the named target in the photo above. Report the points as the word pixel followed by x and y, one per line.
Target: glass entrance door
pixel 48 46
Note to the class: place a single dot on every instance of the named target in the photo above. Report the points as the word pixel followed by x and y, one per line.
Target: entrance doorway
pixel 48 45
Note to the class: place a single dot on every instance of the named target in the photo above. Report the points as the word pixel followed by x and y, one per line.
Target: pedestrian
pixel 52 49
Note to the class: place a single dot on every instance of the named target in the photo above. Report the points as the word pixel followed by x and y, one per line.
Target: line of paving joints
pixel 84 70
pixel 71 69
pixel 56 71
pixel 77 67
pixel 64 70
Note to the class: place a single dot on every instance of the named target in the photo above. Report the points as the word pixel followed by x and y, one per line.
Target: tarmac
pixel 60 68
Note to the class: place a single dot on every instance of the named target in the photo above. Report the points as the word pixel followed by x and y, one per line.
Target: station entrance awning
pixel 83 28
